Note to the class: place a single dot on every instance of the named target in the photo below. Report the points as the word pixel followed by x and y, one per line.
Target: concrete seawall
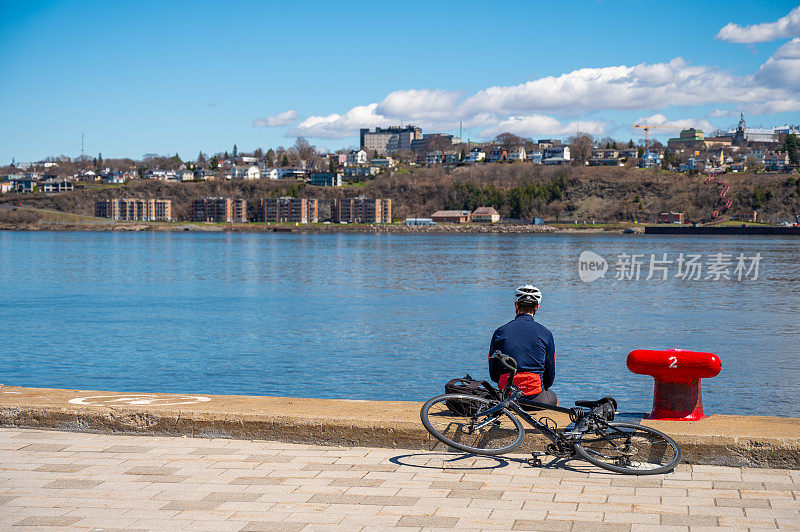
pixel 721 230
pixel 719 439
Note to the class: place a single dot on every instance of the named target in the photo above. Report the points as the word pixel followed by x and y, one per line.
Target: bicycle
pixel 490 427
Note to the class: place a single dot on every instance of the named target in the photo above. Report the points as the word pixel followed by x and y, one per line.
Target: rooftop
pixel 451 213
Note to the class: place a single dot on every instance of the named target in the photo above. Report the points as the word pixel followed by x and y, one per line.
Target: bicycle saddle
pixel 590 404
pixel 595 404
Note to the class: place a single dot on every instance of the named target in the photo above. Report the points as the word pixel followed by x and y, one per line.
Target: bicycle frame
pixel 513 396
pixel 512 402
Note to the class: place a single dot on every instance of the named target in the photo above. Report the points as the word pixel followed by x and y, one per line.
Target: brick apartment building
pixel 134 209
pixel 297 210
pixel 362 210
pixel 219 210
pixel 387 141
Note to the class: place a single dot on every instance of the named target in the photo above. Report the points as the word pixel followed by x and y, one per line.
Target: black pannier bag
pixel 468 386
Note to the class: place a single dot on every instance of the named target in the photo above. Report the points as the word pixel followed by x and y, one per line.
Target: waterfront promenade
pixel 81 481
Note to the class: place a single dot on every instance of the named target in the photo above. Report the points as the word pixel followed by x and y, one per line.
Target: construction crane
pixel 647 129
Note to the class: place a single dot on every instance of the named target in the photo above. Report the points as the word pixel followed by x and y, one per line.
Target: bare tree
pixel 580 147
pixel 305 151
pixel 292 155
pixel 608 143
pixel 436 144
pixel 509 140
pixel 280 156
pixel 404 156
pixel 753 164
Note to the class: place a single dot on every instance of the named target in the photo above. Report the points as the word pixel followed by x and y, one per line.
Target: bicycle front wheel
pixel 457 421
pixel 629 449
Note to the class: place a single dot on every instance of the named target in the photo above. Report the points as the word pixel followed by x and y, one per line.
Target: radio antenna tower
pixel 460 130
pixel 82 146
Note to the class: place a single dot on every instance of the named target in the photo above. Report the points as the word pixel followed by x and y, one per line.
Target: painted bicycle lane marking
pixel 139 400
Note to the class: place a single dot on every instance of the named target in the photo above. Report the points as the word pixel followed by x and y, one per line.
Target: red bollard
pixel 677 372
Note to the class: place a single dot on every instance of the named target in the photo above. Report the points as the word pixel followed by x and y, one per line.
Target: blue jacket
pixel 530 344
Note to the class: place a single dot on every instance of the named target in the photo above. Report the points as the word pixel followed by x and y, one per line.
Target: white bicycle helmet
pixel 528 293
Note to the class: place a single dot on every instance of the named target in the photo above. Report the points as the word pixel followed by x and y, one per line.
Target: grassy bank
pixel 598 195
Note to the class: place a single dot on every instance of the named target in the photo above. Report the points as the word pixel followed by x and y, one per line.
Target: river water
pixel 390 317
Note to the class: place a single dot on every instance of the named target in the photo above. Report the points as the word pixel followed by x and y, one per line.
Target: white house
pixel 270 173
pixel 160 175
pixel 185 175
pixel 248 173
pixel 6 186
pixel 553 152
pixel 535 157
pixel 475 155
pixel 291 173
pixel 517 154
pixel 356 157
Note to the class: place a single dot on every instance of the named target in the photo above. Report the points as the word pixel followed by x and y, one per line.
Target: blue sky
pixel 166 77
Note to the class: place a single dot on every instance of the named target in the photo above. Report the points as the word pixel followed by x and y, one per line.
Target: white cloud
pixel 643 86
pixel 419 104
pixel 784 27
pixel 286 118
pixel 664 125
pixel 721 113
pixel 545 105
pixel 783 68
pixel 336 126
pixel 774 106
pixel 531 125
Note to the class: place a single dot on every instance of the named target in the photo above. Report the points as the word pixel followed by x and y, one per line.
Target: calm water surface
pixel 381 316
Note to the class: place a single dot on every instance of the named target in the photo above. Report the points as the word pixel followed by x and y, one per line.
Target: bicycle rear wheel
pixel 456 421
pixel 629 449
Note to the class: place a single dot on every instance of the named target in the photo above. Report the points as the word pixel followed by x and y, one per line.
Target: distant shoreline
pixel 303 229
pixel 439 229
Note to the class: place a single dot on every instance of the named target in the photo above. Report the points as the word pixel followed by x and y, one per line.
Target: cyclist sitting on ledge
pixel 531 345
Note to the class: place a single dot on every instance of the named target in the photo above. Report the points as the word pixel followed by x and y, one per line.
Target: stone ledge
pixel 719 439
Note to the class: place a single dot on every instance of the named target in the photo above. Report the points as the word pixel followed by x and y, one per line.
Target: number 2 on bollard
pixel 673 362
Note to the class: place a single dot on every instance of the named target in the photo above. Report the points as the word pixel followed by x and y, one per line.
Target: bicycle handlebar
pixel 505 360
pixel 511 365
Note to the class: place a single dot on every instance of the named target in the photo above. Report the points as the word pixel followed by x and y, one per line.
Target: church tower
pixel 741 137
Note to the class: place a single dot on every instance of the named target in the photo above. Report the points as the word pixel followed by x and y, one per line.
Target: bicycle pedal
pixel 538 453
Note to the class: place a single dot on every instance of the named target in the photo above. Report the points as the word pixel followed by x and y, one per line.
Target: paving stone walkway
pixel 69 480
